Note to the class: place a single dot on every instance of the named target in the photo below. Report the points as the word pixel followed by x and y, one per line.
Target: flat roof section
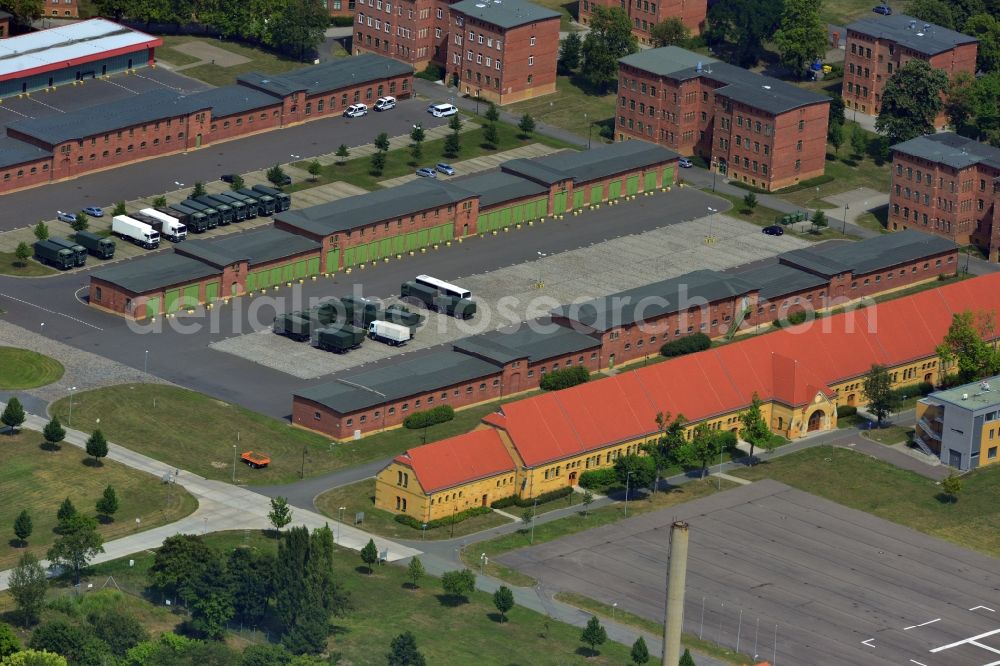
pixel 506 14
pixel 951 150
pixel 913 33
pixel 535 340
pixel 68 45
pixel 588 165
pixel 258 247
pixel 228 100
pixel 14 152
pixel 977 395
pixel 870 255
pixel 778 280
pixel 405 378
pixel 495 187
pixel 154 272
pixel 332 75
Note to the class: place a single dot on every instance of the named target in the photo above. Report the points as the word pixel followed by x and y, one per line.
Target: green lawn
pixel 360 496
pixel 399 162
pixel 568 11
pixel 196 432
pixel 877 220
pixel 848 174
pixel 578 522
pixel 890 434
pixel 842 12
pixel 23 369
pixel 867 484
pixel 216 75
pixel 173 56
pixel 38 480
pixel 567 107
pixel 9 265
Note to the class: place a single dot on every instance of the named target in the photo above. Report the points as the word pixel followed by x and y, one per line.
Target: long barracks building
pixel 543 443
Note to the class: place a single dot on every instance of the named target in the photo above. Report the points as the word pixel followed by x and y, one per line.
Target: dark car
pixel 885 10
pixel 774 230
pixel 228 177
pixel 285 180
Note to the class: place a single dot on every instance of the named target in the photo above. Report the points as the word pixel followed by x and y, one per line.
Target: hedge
pixel 410 521
pixel 431 73
pixel 846 410
pixel 341 21
pixel 793 318
pixel 429 417
pixel 695 342
pixel 558 380
pixel 598 478
pixel 516 500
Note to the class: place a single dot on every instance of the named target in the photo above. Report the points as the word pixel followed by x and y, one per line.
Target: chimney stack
pixel 673 623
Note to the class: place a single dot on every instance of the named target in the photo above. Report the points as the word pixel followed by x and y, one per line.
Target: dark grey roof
pixel 950 149
pixel 913 33
pixel 258 246
pixel 690 290
pixel 867 256
pixel 420 374
pixel 588 165
pixel 112 116
pixel 506 14
pixel 495 187
pixel 778 280
pixel 14 152
pixel 536 340
pixel 385 204
pixel 5 15
pixel 756 90
pixel 227 100
pixel 154 272
pixel 328 76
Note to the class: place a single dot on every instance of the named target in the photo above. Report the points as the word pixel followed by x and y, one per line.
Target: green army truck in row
pixel 79 251
pixel 99 246
pixel 50 254
pixel 339 339
pixel 300 325
pixel 362 312
pixel 461 308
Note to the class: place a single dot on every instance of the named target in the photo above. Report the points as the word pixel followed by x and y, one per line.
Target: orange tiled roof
pixel 456 460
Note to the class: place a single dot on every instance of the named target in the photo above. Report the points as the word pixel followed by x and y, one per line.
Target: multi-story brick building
pixel 761 131
pixel 503 51
pixel 948 185
pixel 340 7
pixel 60 8
pixel 644 14
pixel 878 46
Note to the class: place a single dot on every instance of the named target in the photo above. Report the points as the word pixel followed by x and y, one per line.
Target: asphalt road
pixel 178 347
pixel 794 578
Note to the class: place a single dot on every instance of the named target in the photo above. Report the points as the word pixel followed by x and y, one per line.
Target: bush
pixel 558 380
pixel 846 410
pixel 516 500
pixel 429 417
pixel 410 521
pixel 341 21
pixel 688 344
pixel 431 73
pixel 793 318
pixel 728 439
pixel 598 478
pixel 925 388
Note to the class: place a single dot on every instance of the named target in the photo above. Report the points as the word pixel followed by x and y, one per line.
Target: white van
pixel 356 111
pixel 385 103
pixel 442 110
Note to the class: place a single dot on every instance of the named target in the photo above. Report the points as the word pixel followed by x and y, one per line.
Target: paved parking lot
pixel 792 578
pixel 596 270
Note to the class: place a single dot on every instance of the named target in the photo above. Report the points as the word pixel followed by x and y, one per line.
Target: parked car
pixel 685 163
pixel 228 177
pixel 885 10
pixel 426 172
pixel 774 230
pixel 356 111
pixel 446 169
pixel 385 103
pixel 442 110
pixel 66 217
pixel 94 211
pixel 285 180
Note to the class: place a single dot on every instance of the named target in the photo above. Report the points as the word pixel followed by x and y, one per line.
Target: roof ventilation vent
pixel 927 26
pixel 965 396
pixel 985 386
pixel 913 25
pixel 698 67
pixel 766 87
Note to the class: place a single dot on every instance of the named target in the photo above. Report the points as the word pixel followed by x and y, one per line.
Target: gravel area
pixel 525 291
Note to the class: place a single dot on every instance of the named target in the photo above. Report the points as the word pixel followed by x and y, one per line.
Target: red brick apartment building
pixel 60 8
pixel 340 7
pixel 644 14
pixel 948 185
pixel 878 46
pixel 503 51
pixel 752 128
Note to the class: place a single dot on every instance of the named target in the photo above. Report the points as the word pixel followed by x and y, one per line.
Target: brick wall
pixel 241 124
pixel 410 36
pixel 27 174
pixel 644 14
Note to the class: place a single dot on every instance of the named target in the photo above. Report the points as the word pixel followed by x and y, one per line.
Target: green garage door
pixel 541 207
pixel 505 217
pixel 312 266
pixel 152 306
pixel 173 300
pixel 481 222
pixel 300 269
pixel 190 295
pixel 263 279
pixel 373 251
pixel 650 183
pixel 398 244
pixel 211 292
pixel 518 212
pixel 288 272
pixel 423 237
pixel 385 247
pixel 251 282
pixel 614 189
pixel 332 261
pixel 349 257
pixel 448 231
pixel 668 176
pixel 596 194
pixel 435 235
pixel 361 254
pixel 578 199
pixel 632 185
pixel 275 276
pixel 494 221
pixel 559 203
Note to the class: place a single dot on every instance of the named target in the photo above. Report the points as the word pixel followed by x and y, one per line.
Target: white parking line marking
pixel 48 106
pixel 985 647
pixel 79 321
pixel 867 642
pixel 918 663
pixel 965 641
pixel 983 608
pixel 914 626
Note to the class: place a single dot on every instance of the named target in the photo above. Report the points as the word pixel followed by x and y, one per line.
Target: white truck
pixel 386 331
pixel 174 231
pixel 138 232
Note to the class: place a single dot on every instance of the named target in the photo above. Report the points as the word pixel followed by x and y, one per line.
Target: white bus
pixel 443 287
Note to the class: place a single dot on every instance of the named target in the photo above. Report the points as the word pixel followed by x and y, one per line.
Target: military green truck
pixel 50 254
pixel 432 299
pixel 362 312
pixel 339 339
pixel 397 314
pixel 79 251
pixel 99 246
pixel 302 325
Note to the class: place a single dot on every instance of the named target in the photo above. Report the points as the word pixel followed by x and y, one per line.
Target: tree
pixel 835 135
pixel 503 599
pixel 569 53
pixel 593 634
pixel 670 32
pixel 238 183
pixel 315 169
pixel 78 544
pixel 952 487
pixel 28 585
pixel 119 208
pixel 932 11
pixel 664 450
pixel 119 629
pixel 177 563
pixel 161 201
pixel 66 511
pixel 403 651
pixel 492 113
pixel 24 11
pixel 640 653
pixel 490 136
pixel 276 175
pixel 686 659
pixel 588 499
pixel 265 654
pixel 882 399
pixel 455 123
pixel 8 640
pixel 34 658
pixel 819 219
pixel 452 144
pixel 738 28
pixel 72 641
pixel 23 526
pixel 911 101
pixel 253 584
pixel 526 125
pixel 54 432
pixel 835 116
pixel 458 584
pixel 108 504
pixel 417 152
pixel 210 599
pixel 81 223
pixel 298 27
pixel 749 202
pixel 985 28
pixel 527 516
pixel 382 142
pixel 97 446
pixel 415 571
pixel 13 415
pixel 859 142
pixel 281 513
pixel 801 36
pixel 417 134
pixel 342 153
pixel 635 471
pixel 41 231
pixel 369 555
pixel 21 253
pixel 198 190
pixel 609 39
pixel 965 346
pixel 960 106
pixel 753 427
pixel 705 446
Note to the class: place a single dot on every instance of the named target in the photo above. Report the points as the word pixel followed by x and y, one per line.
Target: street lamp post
pixel 843 229
pixel 534 512
pixel 234 463
pixel 145 362
pixel 628 475
pixel 478 93
pixel 541 255
pixel 710 238
pixel 341 522
pixel 71 389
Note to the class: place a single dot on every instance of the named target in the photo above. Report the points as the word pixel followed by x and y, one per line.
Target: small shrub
pixel 429 417
pixel 925 388
pixel 410 521
pixel 695 342
pixel 431 72
pixel 518 501
pixel 846 410
pixel 561 379
pixel 598 478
